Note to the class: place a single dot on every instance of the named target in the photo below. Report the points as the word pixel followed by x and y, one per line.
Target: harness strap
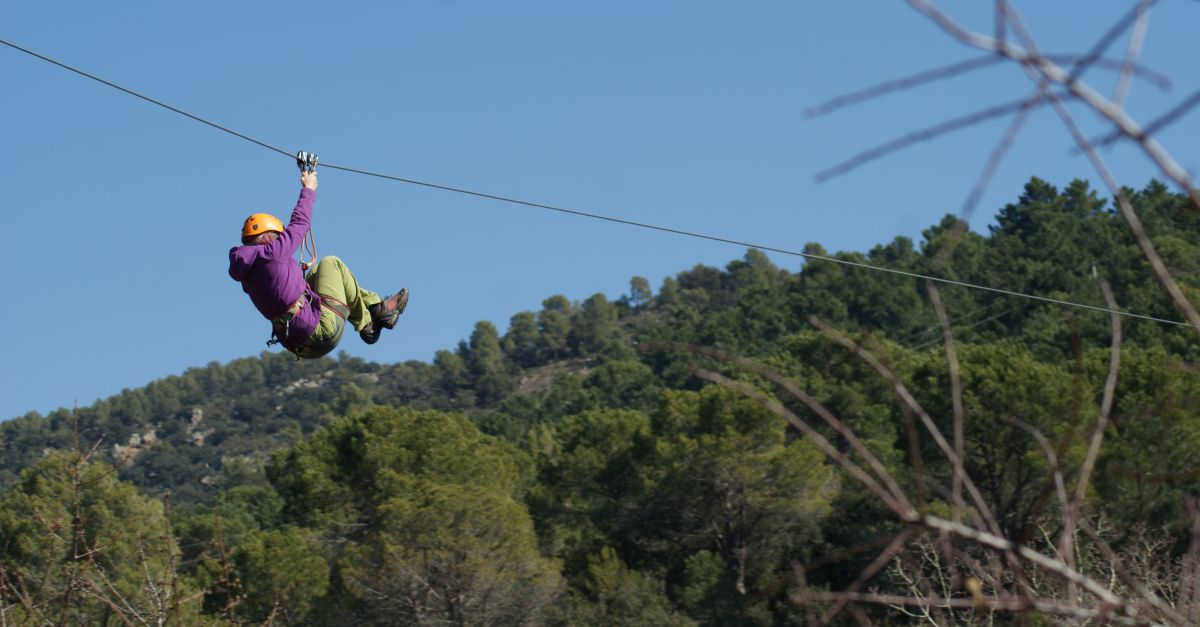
pixel 336 306
pixel 284 320
pixel 339 309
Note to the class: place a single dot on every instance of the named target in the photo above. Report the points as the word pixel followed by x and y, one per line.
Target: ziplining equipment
pixel 307 162
pixel 308 305
pixel 597 216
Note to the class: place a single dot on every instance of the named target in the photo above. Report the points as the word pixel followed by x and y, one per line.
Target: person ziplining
pixel 371 334
pixel 308 313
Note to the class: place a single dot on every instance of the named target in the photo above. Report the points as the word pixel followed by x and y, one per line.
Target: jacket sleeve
pixel 293 234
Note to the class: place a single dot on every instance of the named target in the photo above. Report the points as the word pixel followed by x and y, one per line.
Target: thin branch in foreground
pixel 1056 74
pixel 993 164
pixel 877 467
pixel 1110 36
pixel 1136 39
pixel 1106 404
pixel 1125 208
pixel 910 401
pixel 1155 78
pixel 1126 578
pixel 890 551
pixel 901 84
pixel 925 77
pixel 1066 543
pixel 1015 605
pixel 1191 564
pixel 956 400
pixel 923 135
pixel 983 538
pixel 841 555
pixel 1156 125
pixel 906 510
pixel 956 397
pixel 1018 123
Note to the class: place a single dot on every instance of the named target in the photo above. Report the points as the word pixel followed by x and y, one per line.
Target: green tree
pixel 450 554
pixel 281 577
pixel 419 497
pixel 613 594
pixel 730 480
pixel 78 546
pixel 640 292
pixel 594 326
pixel 521 340
pixel 708 471
pixel 486 365
pixel 450 374
pixel 554 326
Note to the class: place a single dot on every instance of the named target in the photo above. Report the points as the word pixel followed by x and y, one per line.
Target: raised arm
pixel 293 234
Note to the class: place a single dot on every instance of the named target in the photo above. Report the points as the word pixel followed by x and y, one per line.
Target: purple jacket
pixel 274 280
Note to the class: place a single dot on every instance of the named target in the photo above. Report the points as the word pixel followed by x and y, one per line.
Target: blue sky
pixel 116 216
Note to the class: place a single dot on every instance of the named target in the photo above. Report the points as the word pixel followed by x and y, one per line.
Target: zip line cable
pixel 146 98
pixel 597 216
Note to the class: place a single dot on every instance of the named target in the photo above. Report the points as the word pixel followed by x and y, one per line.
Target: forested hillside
pixel 572 471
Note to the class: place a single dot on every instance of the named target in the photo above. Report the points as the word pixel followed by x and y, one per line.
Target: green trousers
pixel 333 280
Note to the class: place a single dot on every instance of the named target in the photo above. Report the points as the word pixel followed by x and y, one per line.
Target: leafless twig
pixel 980 537
pixel 926 134
pixel 1056 74
pixel 1133 51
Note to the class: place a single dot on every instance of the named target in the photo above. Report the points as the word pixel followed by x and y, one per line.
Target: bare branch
pixel 1038 72
pixel 1110 36
pixel 983 538
pixel 889 552
pixel 993 163
pixel 1014 604
pixel 1133 52
pixel 1126 578
pixel 1049 564
pixel 908 400
pixel 1066 543
pixel 901 84
pixel 790 387
pixel 911 81
pixel 1191 590
pixel 935 297
pixel 1056 74
pixel 1106 404
pixel 1155 78
pixel 1154 126
pixel 926 134
pixel 904 510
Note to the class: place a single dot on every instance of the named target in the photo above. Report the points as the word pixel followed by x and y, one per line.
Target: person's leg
pixel 332 278
pixel 325 338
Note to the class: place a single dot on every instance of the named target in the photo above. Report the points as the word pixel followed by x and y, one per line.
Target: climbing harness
pixel 320 346
pixel 314 347
pixel 307 162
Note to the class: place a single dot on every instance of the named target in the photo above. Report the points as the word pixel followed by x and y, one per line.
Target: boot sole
pixel 390 319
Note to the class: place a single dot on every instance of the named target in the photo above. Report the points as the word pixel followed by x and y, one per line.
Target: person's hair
pixel 260 239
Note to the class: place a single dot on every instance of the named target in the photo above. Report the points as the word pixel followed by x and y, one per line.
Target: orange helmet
pixel 260 223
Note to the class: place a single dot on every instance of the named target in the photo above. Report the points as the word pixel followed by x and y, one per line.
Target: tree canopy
pixel 573 471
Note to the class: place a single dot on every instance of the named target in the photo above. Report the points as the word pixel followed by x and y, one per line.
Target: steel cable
pixel 597 216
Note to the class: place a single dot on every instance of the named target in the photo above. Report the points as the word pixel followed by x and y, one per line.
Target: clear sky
pixel 116 216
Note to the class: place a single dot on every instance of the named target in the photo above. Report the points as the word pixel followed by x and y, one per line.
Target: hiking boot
pixel 385 313
pixel 370 334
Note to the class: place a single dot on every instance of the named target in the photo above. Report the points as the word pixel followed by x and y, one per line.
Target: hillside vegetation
pixel 571 471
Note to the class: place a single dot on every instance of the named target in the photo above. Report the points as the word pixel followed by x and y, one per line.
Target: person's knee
pixel 328 261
